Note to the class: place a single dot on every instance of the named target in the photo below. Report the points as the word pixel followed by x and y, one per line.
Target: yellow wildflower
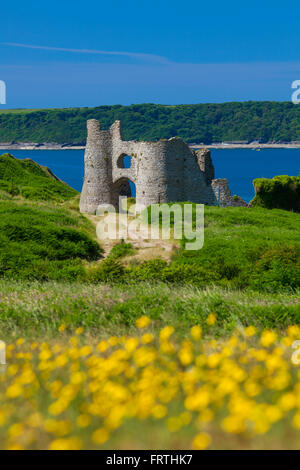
pixel 142 322
pixel 201 441
pixel 166 332
pixel 250 331
pixel 83 421
pixel 196 332
pixel 70 443
pixel 268 337
pixel 211 319
pixel 100 436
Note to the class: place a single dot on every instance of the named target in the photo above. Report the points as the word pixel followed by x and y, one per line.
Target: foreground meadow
pixel 134 348
pixel 148 366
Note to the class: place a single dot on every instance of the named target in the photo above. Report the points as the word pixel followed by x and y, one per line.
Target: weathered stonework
pixel 164 171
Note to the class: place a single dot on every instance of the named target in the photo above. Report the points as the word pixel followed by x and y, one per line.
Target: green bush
pixel 225 269
pixel 148 270
pixel 276 269
pixel 281 192
pixel 120 250
pixel 188 274
pixel 109 270
pixel 160 270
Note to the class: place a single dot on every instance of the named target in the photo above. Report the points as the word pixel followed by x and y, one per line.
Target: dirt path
pixel 145 248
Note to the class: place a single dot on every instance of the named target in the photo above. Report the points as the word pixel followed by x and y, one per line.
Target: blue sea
pixel 239 166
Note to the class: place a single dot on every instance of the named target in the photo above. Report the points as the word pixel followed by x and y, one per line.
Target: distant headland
pixel 215 145
pixel 264 124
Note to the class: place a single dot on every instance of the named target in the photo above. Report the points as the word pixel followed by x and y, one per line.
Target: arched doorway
pixel 123 187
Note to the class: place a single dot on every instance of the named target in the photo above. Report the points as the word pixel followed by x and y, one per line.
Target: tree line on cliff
pixel 195 123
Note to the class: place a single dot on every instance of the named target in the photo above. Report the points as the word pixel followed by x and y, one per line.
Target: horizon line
pixel 148 103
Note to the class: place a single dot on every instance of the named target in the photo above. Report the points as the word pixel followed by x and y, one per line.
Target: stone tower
pixel 163 171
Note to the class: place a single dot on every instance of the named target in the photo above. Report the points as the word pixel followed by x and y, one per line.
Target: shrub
pixel 160 270
pixel 226 270
pixel 185 274
pixel 148 270
pixel 276 269
pixel 107 271
pixel 120 250
pixel 281 192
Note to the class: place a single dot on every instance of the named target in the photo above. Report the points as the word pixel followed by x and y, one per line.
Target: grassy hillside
pixel 264 121
pixel 43 242
pixel 243 248
pixel 42 234
pixel 32 181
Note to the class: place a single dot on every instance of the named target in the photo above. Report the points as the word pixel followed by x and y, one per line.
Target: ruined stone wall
pixel 163 171
pixel 97 168
pixel 196 187
pixel 223 195
pixel 205 163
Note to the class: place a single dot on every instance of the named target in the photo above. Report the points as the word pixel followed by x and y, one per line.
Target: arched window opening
pixel 124 161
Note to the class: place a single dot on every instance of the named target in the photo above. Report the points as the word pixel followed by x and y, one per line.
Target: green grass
pixel 39 321
pixel 244 247
pixel 44 242
pixel 31 181
pixel 42 234
pixel 30 309
pixel 120 250
pixel 51 283
pixel 246 274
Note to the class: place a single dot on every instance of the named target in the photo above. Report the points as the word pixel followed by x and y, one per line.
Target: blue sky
pixel 71 53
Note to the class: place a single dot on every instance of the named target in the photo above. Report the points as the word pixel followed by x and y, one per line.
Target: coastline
pixel 222 145
pixel 31 146
pixel 253 146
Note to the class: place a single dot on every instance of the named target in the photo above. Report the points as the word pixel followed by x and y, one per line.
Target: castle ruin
pixel 163 171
